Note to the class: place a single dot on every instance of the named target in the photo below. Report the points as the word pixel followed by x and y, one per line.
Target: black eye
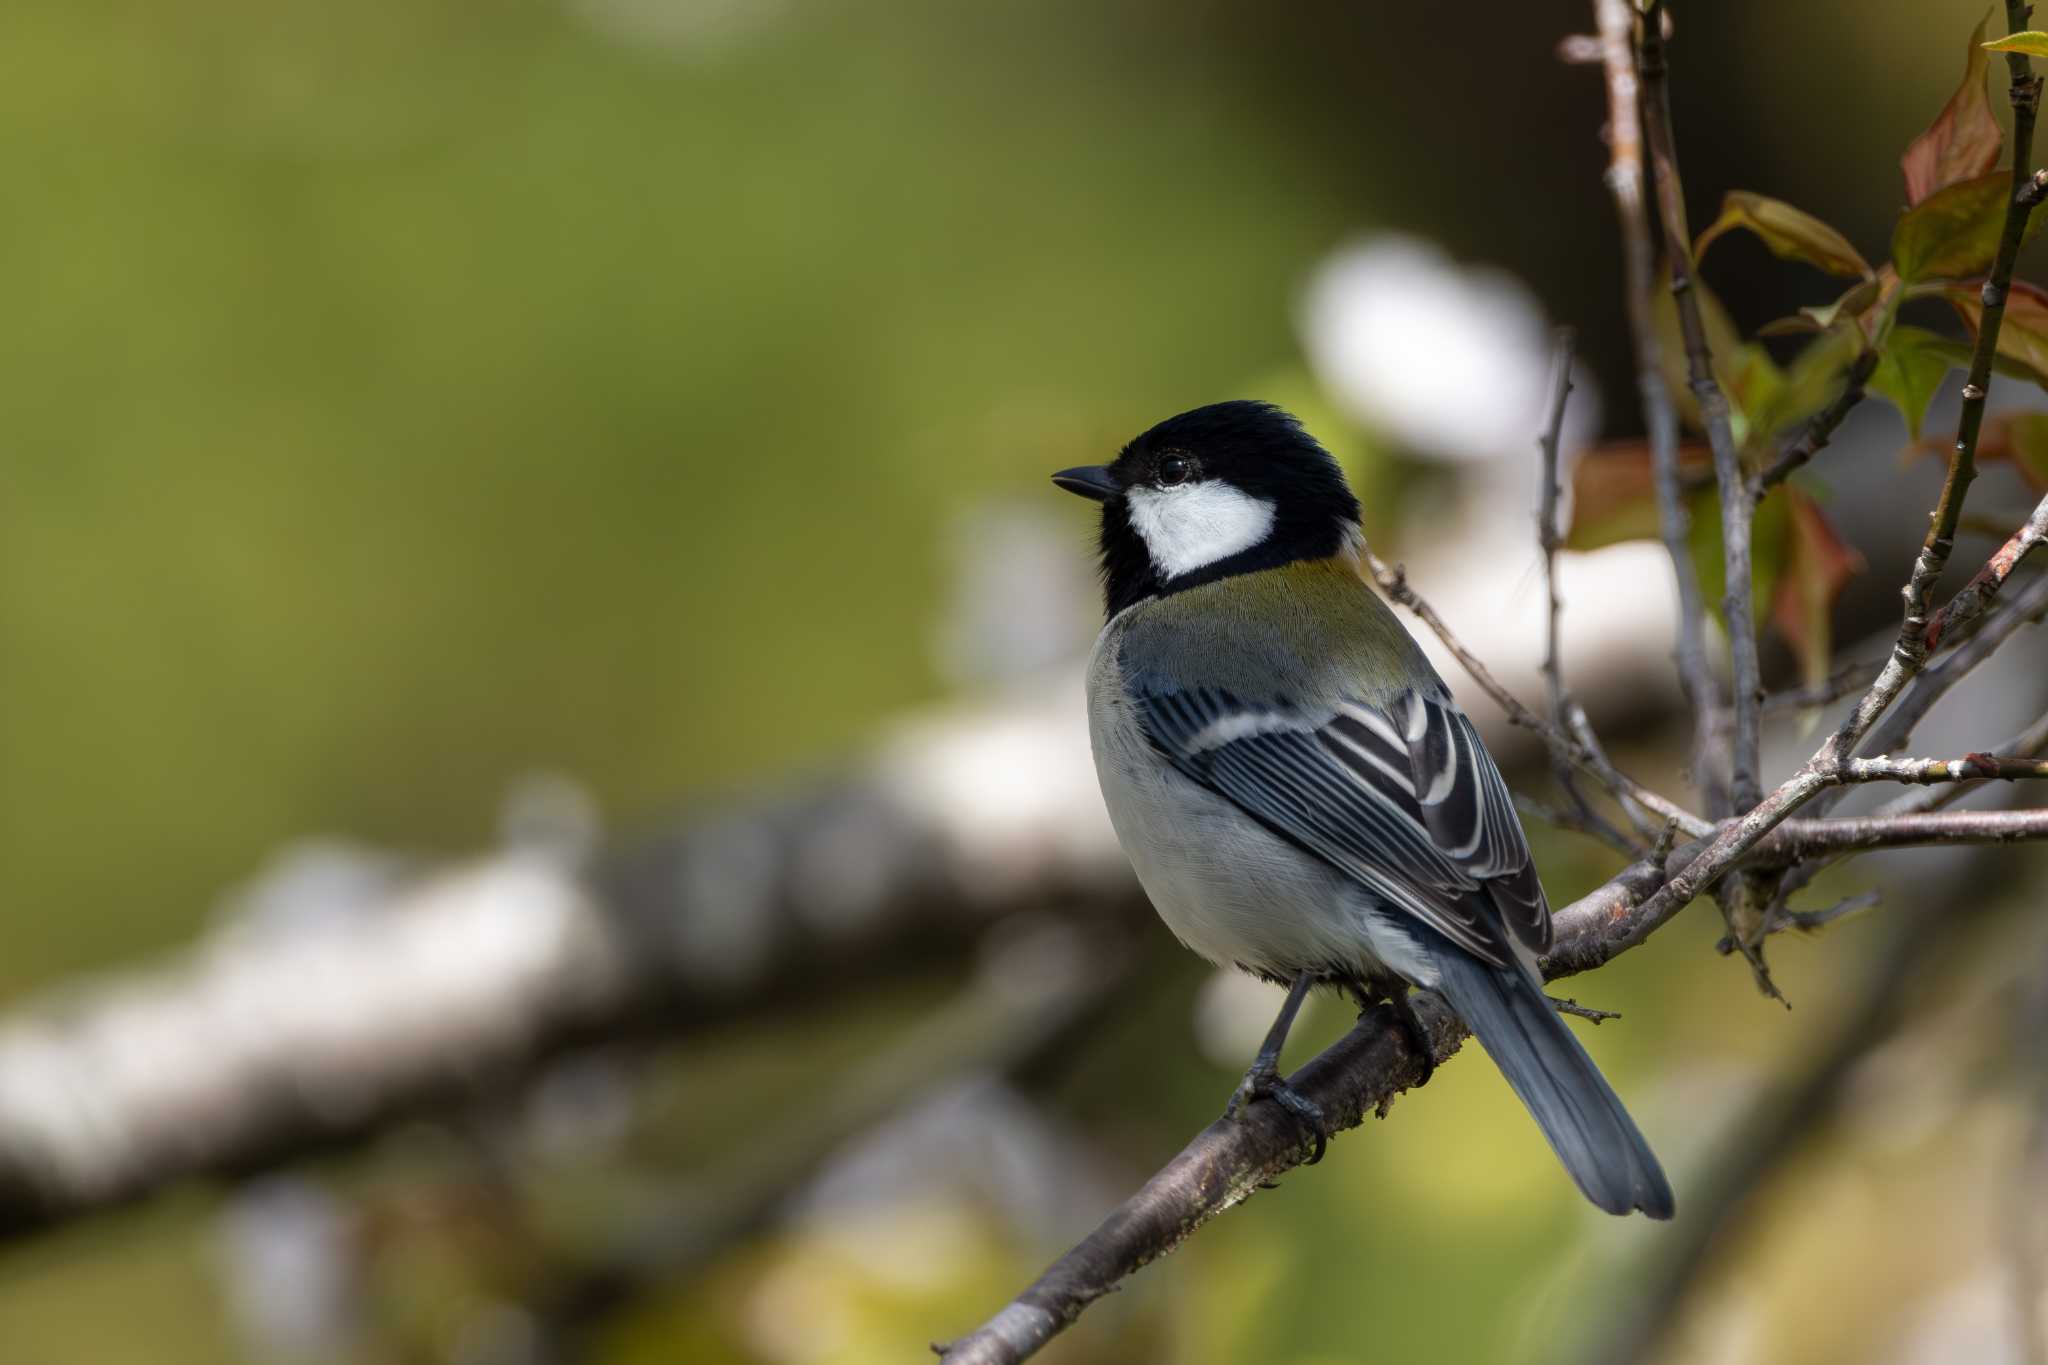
pixel 1174 469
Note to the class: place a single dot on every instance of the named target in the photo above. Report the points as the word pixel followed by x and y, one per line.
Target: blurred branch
pixel 1776 1128
pixel 1032 1002
pixel 1566 715
pixel 268 1042
pixel 1738 492
pixel 1616 23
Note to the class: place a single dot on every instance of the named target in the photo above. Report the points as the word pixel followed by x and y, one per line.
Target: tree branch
pixel 1616 24
pixel 286 1035
pixel 1738 492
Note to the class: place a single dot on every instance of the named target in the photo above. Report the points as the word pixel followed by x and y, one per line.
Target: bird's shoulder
pixel 1312 632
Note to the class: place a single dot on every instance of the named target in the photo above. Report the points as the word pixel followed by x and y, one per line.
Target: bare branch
pixel 2028 743
pixel 1566 715
pixel 1928 771
pixel 1798 839
pixel 1616 23
pixel 1548 537
pixel 275 1038
pixel 1738 492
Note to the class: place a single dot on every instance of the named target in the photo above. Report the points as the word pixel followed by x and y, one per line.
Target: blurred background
pixel 554 493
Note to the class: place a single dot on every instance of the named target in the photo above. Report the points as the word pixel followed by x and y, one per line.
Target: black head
pixel 1226 489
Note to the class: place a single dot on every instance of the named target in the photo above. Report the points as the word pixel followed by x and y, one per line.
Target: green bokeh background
pixel 398 398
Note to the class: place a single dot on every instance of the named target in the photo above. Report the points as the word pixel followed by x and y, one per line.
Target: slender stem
pixel 1927 772
pixel 1616 22
pixel 1738 490
pixel 1547 534
pixel 2028 743
pixel 1565 713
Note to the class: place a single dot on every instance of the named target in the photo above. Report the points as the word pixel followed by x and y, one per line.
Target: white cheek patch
pixel 1196 524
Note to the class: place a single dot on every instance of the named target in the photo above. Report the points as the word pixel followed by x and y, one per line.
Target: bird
pixel 1297 790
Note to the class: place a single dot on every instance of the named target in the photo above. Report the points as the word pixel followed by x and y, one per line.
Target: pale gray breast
pixel 1228 888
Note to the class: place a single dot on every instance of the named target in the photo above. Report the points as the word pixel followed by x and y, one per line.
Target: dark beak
pixel 1090 481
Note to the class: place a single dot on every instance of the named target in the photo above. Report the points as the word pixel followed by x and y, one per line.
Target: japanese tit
pixel 1297 791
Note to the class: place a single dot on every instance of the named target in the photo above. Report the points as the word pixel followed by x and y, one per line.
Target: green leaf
pixel 1910 370
pixel 1963 141
pixel 1955 231
pixel 2033 43
pixel 1811 382
pixel 1614 495
pixel 1735 370
pixel 2023 336
pixel 1817 563
pixel 1791 234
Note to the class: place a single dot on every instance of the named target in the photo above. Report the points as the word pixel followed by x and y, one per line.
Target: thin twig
pixel 1586 1012
pixel 1927 772
pixel 1565 713
pixel 2028 743
pixel 1738 494
pixel 1548 537
pixel 1616 23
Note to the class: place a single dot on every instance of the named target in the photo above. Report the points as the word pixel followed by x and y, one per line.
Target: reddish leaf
pixel 1614 497
pixel 2023 336
pixel 1791 234
pixel 1817 565
pixel 1955 232
pixel 1963 141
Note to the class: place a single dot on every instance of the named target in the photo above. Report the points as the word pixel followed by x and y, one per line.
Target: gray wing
pixel 1405 801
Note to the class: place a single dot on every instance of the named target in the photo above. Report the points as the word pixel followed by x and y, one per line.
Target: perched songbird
pixel 1299 794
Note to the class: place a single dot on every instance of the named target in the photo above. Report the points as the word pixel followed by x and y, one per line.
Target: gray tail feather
pixel 1566 1094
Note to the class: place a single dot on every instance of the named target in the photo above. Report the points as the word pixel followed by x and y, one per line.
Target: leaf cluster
pixel 1941 248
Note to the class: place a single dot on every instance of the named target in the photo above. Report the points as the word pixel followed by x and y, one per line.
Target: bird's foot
pixel 1264 1082
pixel 1417 1031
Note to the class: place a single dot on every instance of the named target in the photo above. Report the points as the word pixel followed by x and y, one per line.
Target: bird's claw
pixel 1306 1113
